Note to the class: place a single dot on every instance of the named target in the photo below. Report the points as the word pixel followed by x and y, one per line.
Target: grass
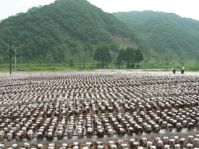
pixel 62 67
pixel 37 67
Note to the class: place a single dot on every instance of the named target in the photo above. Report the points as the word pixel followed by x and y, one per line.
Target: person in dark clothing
pixel 174 70
pixel 182 70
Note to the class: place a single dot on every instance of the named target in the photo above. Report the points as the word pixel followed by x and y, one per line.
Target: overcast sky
pixel 184 8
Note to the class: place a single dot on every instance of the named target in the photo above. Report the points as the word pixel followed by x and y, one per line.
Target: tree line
pixel 126 58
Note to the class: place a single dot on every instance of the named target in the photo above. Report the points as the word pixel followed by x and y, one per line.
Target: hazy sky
pixel 185 8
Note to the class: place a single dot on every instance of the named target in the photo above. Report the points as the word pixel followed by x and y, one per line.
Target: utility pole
pixel 10 59
pixel 15 59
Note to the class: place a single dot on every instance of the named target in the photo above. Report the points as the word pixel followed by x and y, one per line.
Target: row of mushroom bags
pixel 86 104
pixel 164 142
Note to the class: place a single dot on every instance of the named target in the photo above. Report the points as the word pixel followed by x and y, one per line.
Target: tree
pixel 50 59
pixel 130 57
pixel 139 56
pixel 102 55
pixel 1 59
pixel 121 58
pixel 81 58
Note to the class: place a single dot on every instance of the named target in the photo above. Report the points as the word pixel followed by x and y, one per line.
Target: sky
pixel 184 8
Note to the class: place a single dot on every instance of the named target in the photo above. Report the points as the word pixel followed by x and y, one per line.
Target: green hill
pixel 66 31
pixel 164 36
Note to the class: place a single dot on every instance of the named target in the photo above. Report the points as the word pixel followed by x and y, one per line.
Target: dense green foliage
pixel 165 37
pixel 129 57
pixel 102 55
pixel 67 31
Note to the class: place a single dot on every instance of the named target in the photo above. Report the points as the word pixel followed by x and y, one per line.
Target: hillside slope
pixel 165 36
pixel 62 32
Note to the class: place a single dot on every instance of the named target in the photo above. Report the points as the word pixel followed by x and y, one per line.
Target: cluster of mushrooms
pixel 79 105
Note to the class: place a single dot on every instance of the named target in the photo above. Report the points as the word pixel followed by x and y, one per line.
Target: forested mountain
pixel 70 31
pixel 164 36
pixel 67 31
